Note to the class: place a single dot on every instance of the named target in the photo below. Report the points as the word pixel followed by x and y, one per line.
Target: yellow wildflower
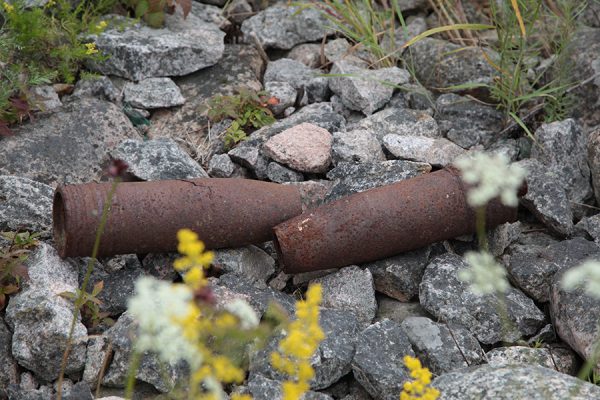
pixel 101 25
pixel 297 347
pixel 418 389
pixel 195 259
pixel 50 3
pixel 91 48
pixel 8 7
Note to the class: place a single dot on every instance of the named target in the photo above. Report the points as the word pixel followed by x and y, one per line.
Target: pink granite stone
pixel 305 147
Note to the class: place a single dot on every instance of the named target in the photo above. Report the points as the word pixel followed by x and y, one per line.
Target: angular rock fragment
pixel 153 93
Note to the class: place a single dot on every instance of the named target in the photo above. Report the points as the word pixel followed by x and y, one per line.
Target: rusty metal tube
pixel 382 222
pixel 145 216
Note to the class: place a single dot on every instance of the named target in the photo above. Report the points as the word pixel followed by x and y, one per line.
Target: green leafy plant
pixel 90 305
pixel 12 259
pixel 248 109
pixel 43 46
pixel 154 11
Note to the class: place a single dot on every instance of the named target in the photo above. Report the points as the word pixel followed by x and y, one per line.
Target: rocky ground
pixel 334 136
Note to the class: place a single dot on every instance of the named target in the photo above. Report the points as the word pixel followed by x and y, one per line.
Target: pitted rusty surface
pixel 145 216
pixel 382 222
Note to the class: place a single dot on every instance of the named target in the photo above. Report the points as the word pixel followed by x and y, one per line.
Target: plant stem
pixel 480 227
pixel 136 358
pixel 80 298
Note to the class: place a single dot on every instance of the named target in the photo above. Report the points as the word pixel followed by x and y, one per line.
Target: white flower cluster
pixel 491 176
pixel 485 275
pixel 586 275
pixel 155 306
pixel 243 310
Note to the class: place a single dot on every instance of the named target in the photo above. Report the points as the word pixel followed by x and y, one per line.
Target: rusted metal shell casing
pixel 382 222
pixel 145 216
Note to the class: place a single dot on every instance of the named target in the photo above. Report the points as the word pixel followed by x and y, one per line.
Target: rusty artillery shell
pixel 382 222
pixel 144 217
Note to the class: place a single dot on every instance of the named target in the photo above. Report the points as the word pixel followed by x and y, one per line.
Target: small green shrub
pixel 43 46
pixel 248 109
pixel 12 258
pixel 153 11
pixel 89 305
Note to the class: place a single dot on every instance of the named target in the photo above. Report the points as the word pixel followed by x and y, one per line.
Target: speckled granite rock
pixel 70 145
pixel 249 261
pixel 183 46
pixel 356 146
pixel 399 276
pixel 25 204
pixel 283 27
pixel 331 360
pixel 353 178
pixel 399 121
pixel 350 289
pixel 378 363
pixel 450 300
pixel 158 159
pixel 439 151
pixel 300 77
pixel 513 382
pixel 562 360
pixel 533 269
pixel 153 93
pixel 442 348
pixel 305 148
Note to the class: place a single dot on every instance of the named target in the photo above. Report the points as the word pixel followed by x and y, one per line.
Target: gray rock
pixel 319 114
pixel 590 226
pixel 584 50
pixel 332 359
pixel 249 261
pixel 305 148
pixel 594 160
pixel 137 51
pixel 363 89
pixel 153 93
pixel 25 204
pixel 337 49
pixel 240 67
pixel 41 319
pixel 44 97
pixel 79 391
pixel 160 265
pixel 312 193
pixel 67 146
pixel 251 158
pixel 98 353
pixel 211 14
pixel 158 159
pixel 9 373
pixel 542 356
pixel 263 388
pixel 220 166
pixel 533 270
pixel 118 285
pixel 43 393
pixel 284 92
pixel 398 311
pixel 350 289
pixel 439 151
pixel 280 174
pixel 562 148
pixel 545 335
pixel 163 376
pixel 513 382
pixel 399 121
pixel 356 146
pixel 378 364
pixel 308 54
pixel 353 178
pixel 399 276
pixel 238 10
pixel 283 27
pixel 466 117
pixel 545 199
pixel 300 77
pixel 442 348
pixel 575 315
pixel 257 294
pixel 440 64
pixel 503 236
pixel 450 300
pixel 97 86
